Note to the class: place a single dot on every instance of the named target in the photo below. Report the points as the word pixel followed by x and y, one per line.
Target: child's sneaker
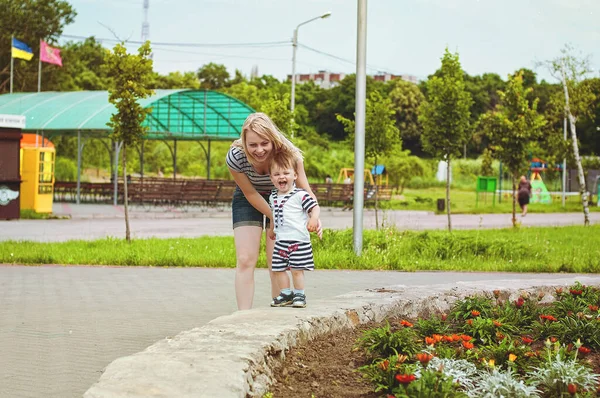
pixel 299 300
pixel 282 300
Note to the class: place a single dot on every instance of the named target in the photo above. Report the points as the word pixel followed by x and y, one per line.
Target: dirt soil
pixel 324 368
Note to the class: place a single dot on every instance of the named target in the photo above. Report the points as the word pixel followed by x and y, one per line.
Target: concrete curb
pixel 232 356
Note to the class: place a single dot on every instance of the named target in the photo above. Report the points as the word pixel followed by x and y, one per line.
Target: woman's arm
pixel 302 181
pixel 255 199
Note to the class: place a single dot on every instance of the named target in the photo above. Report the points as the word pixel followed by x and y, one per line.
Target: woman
pixel 248 161
pixel 523 195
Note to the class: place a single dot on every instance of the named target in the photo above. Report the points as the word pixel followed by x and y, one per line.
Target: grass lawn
pixel 559 249
pixel 464 202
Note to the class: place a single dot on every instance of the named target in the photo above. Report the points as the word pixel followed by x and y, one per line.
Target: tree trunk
pixel 448 195
pixel 582 186
pixel 376 191
pixel 572 120
pixel 514 201
pixel 125 201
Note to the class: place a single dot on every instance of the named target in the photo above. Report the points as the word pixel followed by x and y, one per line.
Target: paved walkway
pixel 60 326
pixel 99 221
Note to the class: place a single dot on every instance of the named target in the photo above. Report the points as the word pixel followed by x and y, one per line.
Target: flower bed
pixel 492 347
pixel 531 346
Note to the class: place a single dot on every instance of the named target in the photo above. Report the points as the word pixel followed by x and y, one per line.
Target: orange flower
pixel 437 337
pixel 496 293
pixel 576 292
pixel 430 340
pixel 548 318
pixel 475 313
pixel 468 345
pixel 424 358
pixel 406 324
pixel 497 324
pixel 447 339
pixel 469 321
pixel 384 365
pixel 455 337
pixel 405 379
pixel 572 388
pixel 526 340
pixel 593 308
pixel 465 337
pixel 512 357
pixel 553 339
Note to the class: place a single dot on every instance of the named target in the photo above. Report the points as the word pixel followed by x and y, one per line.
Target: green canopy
pixel 176 114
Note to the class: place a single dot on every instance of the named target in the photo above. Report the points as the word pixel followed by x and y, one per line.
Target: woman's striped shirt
pixel 237 161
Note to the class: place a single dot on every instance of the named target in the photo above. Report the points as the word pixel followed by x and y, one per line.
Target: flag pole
pixel 12 62
pixel 40 69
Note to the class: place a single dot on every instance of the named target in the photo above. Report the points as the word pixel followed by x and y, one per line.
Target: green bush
pixel 65 169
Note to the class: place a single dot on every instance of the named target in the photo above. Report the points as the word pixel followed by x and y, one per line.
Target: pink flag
pixel 49 54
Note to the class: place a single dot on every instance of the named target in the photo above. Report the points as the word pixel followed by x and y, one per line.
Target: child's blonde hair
pixel 284 160
pixel 264 127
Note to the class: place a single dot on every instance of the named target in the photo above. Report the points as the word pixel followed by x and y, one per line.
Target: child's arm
pixel 313 221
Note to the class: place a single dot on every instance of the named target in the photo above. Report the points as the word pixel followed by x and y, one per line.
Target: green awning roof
pixel 176 114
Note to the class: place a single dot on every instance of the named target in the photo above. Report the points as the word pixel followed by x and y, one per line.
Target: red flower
pixel 593 308
pixel 468 345
pixel 572 388
pixel 584 350
pixel 405 379
pixel 548 318
pixel 519 302
pixel 553 339
pixel 406 324
pixel 424 358
pixel 465 337
pixel 526 340
pixel 444 317
pixel 576 292
pixel 391 396
pixel 558 290
pixel 497 324
pixel 469 321
pixel 475 313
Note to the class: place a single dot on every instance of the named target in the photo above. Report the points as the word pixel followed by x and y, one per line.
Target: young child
pixel 295 215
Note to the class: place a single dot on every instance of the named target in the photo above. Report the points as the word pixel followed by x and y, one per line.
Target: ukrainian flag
pixel 21 50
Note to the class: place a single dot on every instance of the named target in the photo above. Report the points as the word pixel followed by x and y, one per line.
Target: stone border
pixel 232 356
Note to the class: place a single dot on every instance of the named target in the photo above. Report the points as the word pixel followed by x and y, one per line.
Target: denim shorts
pixel 244 214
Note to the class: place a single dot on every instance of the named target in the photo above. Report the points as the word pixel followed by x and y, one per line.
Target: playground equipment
pixel 539 192
pixel 486 185
pixel 347 173
pixel 381 175
pixel 37 173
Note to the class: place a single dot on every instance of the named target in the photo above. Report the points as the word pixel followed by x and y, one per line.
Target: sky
pixel 403 36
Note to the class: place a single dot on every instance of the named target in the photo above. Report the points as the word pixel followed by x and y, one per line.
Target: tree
pixel 213 76
pixel 30 21
pixel 512 127
pixel 578 98
pixel 175 80
pixel 402 167
pixel 381 133
pixel 132 75
pixel 406 99
pixel 445 116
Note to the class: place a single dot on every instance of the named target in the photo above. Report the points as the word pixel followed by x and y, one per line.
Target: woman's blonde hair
pixel 264 127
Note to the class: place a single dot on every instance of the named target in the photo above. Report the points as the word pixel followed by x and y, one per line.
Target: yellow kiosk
pixel 37 173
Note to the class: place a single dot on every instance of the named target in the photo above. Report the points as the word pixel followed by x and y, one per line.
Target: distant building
pixel 326 79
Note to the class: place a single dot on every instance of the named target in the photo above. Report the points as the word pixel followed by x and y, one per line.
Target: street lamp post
pixel 295 47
